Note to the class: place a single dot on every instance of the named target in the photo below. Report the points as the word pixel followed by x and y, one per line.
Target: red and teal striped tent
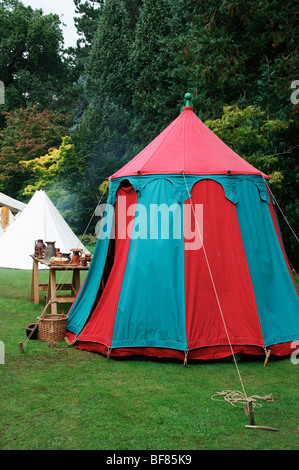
pixel 189 261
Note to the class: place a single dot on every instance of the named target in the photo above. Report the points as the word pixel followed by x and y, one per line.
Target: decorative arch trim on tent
pixel 230 185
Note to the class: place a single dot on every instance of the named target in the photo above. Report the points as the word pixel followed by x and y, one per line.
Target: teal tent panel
pixel 151 308
pixel 276 297
pixel 83 304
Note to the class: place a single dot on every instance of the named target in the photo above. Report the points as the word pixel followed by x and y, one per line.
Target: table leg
pixel 34 295
pixel 32 283
pixel 76 280
pixel 52 290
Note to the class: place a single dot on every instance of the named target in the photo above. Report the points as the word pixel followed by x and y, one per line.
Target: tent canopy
pixel 39 220
pixel 187 145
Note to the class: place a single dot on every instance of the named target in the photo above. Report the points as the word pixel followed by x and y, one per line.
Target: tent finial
pixel 188 98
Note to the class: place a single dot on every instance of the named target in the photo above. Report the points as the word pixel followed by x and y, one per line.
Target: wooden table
pixel 53 287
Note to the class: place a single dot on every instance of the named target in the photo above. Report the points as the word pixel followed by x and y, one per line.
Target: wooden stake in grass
pixel 22 346
pixel 250 409
pixel 267 357
pixel 265 428
pixel 249 405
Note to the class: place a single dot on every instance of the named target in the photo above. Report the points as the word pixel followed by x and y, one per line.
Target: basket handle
pixel 49 303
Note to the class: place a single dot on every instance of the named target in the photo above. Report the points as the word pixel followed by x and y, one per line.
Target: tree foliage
pixel 126 80
pixel 28 134
pixel 107 74
pixel 50 167
pixel 252 137
pixel 32 65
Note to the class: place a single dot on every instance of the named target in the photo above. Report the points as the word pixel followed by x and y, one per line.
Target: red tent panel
pixel 228 264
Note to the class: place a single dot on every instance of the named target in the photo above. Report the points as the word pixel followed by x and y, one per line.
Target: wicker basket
pixel 52 327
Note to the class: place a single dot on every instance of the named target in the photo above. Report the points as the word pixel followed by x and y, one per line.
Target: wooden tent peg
pixel 185 359
pixel 267 357
pixel 108 354
pixel 250 409
pixel 265 428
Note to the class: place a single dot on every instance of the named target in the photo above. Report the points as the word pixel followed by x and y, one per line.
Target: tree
pixel 28 134
pixel 86 22
pixel 253 137
pixel 262 143
pixel 239 52
pixel 57 173
pixel 88 12
pixel 156 92
pixel 107 70
pixel 245 54
pixel 138 58
pixel 101 142
pixel 32 65
pixel 49 168
pixel 102 139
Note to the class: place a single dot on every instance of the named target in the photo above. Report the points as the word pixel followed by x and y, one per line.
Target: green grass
pixel 60 398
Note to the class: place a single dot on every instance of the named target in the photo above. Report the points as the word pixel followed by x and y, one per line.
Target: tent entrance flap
pixel 105 281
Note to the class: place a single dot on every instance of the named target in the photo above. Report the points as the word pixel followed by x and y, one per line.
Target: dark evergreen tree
pixel 32 65
pixel 102 138
pixel 157 94
pixel 108 73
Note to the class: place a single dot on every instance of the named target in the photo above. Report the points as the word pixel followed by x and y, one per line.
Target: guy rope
pixel 233 397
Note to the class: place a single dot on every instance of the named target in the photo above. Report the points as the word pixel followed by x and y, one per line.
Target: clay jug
pixel 50 250
pixel 39 247
pixel 76 256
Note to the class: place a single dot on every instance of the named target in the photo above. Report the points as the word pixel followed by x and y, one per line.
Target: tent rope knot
pixel 235 398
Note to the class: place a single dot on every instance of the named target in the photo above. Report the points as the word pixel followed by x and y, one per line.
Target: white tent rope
pixel 60 285
pixel 214 288
pixel 90 220
pixel 234 397
pixel 290 227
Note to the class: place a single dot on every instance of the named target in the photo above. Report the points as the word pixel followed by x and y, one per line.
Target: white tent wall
pixel 10 222
pixel 14 207
pixel 39 220
pixel 12 204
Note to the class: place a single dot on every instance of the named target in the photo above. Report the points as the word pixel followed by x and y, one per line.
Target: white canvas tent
pixel 13 206
pixel 6 219
pixel 39 220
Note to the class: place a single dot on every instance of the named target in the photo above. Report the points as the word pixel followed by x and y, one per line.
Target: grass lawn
pixel 60 398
